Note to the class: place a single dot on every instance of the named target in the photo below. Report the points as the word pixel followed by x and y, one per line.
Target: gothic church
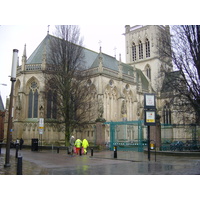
pixel 118 87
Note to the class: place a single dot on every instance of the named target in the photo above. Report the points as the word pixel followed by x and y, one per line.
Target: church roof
pixel 141 77
pixel 108 62
pixel 1 104
pixel 91 58
pixel 36 56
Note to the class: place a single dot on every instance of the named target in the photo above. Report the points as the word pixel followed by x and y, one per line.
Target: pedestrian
pixel 78 144
pixel 17 142
pixel 71 142
pixel 21 142
pixel 85 144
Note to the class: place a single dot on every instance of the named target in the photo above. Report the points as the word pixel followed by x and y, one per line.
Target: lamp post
pixel 12 79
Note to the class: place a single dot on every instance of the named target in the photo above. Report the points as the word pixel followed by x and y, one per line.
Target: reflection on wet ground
pixel 29 168
pixel 102 163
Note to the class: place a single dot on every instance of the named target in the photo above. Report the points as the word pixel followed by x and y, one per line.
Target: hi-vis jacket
pixel 78 143
pixel 85 143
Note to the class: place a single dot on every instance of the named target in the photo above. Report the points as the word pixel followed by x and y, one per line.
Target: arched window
pixel 147 48
pixel 51 104
pixel 148 72
pixel 134 51
pixel 167 114
pixel 33 101
pixel 140 50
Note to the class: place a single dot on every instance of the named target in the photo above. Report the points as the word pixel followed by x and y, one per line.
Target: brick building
pixel 2 115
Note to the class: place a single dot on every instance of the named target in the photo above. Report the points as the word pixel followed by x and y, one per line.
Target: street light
pixel 3 84
pixel 12 79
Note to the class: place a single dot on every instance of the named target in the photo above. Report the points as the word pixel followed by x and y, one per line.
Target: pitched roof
pixel 36 56
pixel 91 60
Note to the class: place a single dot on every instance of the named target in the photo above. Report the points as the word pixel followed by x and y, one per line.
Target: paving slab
pixel 49 162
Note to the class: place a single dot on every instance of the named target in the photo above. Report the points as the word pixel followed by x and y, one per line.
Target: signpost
pixel 149 115
pixel 41 129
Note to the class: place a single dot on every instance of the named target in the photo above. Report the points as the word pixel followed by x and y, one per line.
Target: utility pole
pixel 12 79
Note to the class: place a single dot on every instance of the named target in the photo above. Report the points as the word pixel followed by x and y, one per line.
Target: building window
pixel 33 101
pixel 167 115
pixel 51 105
pixel 148 72
pixel 134 51
pixel 140 50
pixel 147 48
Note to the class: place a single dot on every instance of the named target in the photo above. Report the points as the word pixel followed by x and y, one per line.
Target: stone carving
pixel 100 112
pixel 123 108
pixel 100 109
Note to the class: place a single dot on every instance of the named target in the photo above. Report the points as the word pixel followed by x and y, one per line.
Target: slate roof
pixel 91 60
pixel 1 104
pixel 36 56
pixel 91 57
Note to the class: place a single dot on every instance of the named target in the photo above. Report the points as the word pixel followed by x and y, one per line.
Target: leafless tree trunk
pixel 184 49
pixel 67 94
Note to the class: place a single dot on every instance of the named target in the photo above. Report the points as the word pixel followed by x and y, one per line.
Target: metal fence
pixel 127 136
pixel 180 137
pixel 131 136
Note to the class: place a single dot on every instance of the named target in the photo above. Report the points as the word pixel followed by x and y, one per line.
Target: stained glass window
pixel 33 101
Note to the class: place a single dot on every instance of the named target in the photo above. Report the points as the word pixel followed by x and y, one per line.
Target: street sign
pixel 41 125
pixel 150 118
pixel 41 131
pixel 149 101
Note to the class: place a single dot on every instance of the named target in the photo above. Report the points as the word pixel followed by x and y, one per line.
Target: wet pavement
pixel 49 162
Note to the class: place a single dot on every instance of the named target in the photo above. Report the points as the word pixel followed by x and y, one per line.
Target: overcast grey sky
pixel 106 18
pixel 16 36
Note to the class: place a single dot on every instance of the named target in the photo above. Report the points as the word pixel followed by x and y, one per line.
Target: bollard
pixel 115 151
pixel 91 151
pixel 58 149
pixel 80 153
pixel 0 149
pixel 19 166
pixel 17 149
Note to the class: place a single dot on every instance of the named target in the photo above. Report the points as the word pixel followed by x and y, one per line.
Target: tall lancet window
pixel 134 51
pixel 140 50
pixel 167 114
pixel 147 48
pixel 51 104
pixel 148 72
pixel 33 101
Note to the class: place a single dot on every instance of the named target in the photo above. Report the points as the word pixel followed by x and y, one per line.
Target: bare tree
pixel 184 50
pixel 67 92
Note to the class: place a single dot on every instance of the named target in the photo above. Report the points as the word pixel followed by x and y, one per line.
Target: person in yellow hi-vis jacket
pixel 78 144
pixel 85 144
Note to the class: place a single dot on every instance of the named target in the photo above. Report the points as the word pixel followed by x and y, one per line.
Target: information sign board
pixel 41 125
pixel 149 101
pixel 150 117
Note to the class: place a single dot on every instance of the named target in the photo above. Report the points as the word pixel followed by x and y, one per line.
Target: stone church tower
pixel 142 50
